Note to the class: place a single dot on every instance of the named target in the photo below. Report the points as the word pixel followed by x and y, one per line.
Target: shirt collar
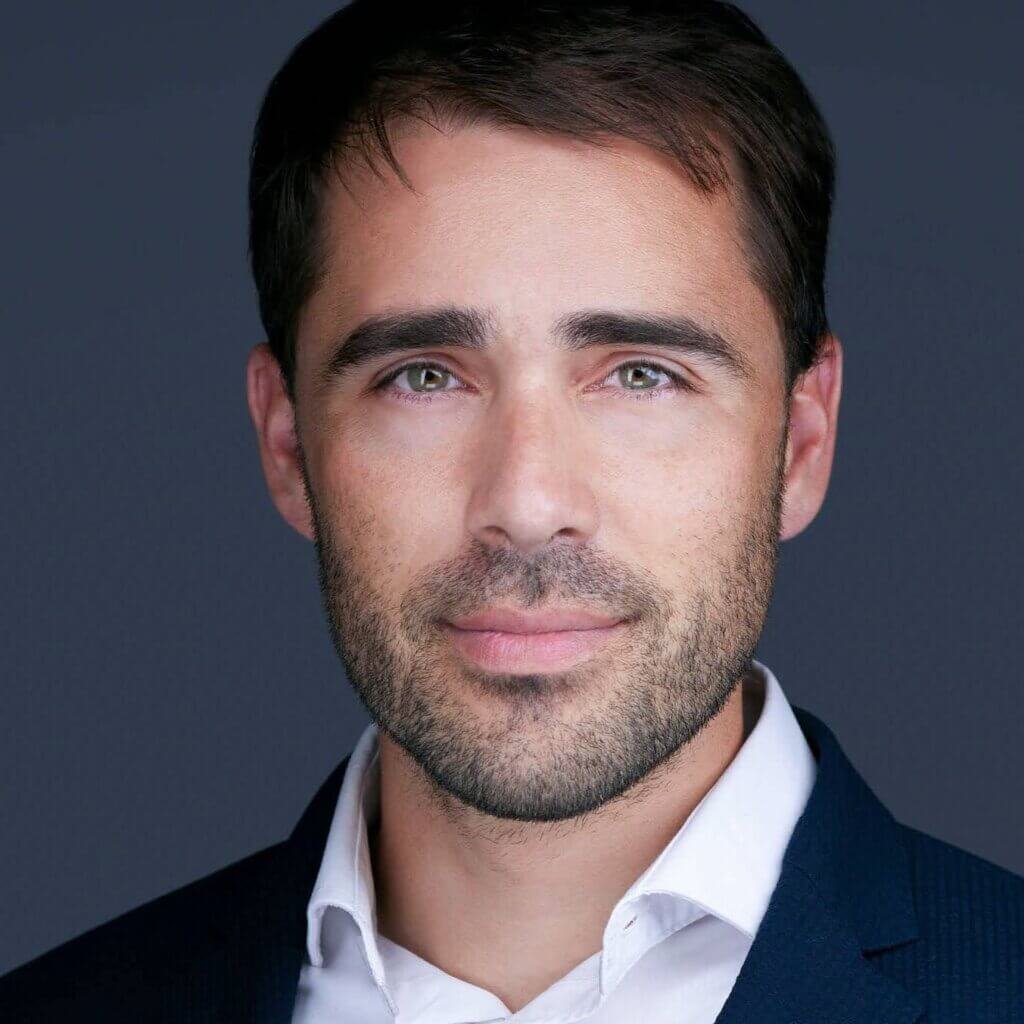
pixel 727 856
pixel 345 879
pixel 724 860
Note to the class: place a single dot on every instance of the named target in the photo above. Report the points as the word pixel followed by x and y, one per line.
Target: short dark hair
pixel 694 79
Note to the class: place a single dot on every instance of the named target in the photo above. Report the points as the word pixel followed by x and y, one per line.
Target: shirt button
pixel 631 920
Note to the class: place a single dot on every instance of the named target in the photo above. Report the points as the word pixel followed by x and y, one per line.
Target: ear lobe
pixel 273 417
pixel 810 445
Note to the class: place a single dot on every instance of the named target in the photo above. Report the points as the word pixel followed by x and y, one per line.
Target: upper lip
pixel 512 620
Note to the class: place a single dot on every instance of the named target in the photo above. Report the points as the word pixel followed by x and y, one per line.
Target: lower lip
pixel 530 652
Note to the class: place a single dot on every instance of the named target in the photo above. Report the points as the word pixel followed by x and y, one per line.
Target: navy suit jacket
pixel 872 922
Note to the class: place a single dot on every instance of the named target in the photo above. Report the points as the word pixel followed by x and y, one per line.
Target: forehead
pixel 532 227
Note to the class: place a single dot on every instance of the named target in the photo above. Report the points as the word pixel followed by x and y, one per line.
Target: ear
pixel 811 442
pixel 273 416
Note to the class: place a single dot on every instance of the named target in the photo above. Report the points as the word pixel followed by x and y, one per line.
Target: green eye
pixel 631 377
pixel 420 371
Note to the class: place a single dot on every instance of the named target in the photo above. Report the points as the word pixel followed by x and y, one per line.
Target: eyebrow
pixel 383 334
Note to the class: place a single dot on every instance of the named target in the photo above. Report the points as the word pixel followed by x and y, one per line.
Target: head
pixel 566 348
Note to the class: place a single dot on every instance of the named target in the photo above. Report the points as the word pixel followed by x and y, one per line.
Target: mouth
pixel 501 651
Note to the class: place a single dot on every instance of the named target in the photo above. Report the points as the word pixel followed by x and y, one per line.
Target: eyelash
pixel 679 382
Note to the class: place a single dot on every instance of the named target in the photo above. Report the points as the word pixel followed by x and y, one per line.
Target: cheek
pixel 384 512
pixel 675 492
pixel 686 507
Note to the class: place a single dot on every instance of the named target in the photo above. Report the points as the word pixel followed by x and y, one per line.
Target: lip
pixel 514 620
pixel 557 650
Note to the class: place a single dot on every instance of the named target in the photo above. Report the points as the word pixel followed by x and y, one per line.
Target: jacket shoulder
pixel 948 880
pixel 143 949
pixel 969 958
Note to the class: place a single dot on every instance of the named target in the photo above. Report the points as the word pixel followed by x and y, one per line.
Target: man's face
pixel 530 475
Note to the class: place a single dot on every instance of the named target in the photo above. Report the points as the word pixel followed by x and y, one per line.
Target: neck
pixel 513 906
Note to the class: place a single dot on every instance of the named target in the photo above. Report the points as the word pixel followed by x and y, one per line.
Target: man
pixel 545 392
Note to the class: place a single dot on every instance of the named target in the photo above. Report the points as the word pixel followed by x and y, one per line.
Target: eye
pixel 677 382
pixel 427 374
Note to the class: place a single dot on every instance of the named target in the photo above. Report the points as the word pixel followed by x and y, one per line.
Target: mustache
pixel 562 576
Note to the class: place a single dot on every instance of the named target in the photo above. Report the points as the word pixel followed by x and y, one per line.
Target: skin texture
pixel 516 809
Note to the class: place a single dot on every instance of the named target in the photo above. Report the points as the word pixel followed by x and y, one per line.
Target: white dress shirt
pixel 672 948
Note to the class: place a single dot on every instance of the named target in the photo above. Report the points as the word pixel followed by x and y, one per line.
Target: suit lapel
pixel 806 967
pixel 844 891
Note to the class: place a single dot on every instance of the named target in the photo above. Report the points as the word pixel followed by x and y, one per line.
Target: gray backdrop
pixel 171 699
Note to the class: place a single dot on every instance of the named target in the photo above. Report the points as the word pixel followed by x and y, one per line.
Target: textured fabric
pixel 871 922
pixel 699 904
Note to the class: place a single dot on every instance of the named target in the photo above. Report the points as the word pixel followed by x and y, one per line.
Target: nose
pixel 534 476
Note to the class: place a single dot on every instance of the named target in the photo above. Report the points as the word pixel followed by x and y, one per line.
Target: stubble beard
pixel 550 747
